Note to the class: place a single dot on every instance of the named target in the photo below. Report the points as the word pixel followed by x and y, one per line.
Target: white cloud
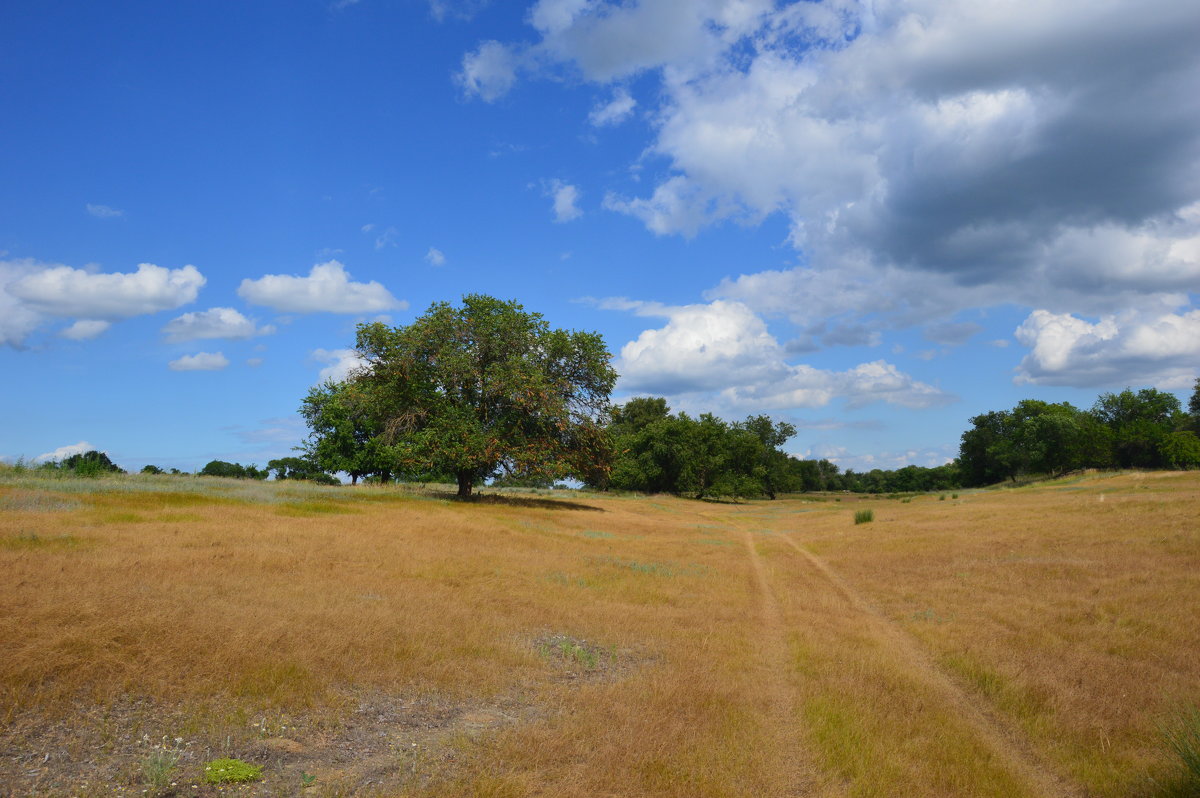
pixel 63 452
pixel 201 361
pixel 1161 349
pixel 615 111
pixel 85 329
pixel 566 197
pixel 386 239
pixel 17 319
pixel 254 362
pixel 104 212
pixel 930 156
pixel 213 323
pixel 65 292
pixel 489 72
pixel 435 257
pixel 327 288
pixel 340 363
pixel 724 347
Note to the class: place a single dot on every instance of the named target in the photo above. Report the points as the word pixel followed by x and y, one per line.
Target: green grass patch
pixel 231 771
pixel 308 509
pixel 864 516
pixel 596 533
pixel 31 541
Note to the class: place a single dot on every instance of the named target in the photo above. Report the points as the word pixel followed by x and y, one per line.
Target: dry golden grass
pixel 1007 643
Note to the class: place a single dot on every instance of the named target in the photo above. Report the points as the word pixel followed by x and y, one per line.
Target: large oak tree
pixel 486 388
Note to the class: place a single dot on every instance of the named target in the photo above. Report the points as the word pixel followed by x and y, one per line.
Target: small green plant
pixel 953 495
pixel 157 767
pixel 1183 739
pixel 942 497
pixel 230 771
pixel 864 516
pixel 307 779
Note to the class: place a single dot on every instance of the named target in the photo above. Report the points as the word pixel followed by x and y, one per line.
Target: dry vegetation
pixel 378 642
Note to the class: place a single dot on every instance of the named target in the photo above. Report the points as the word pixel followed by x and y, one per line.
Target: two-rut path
pixel 1004 741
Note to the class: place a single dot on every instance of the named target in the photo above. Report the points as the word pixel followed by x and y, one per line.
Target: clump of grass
pixel 158 766
pixel 1183 739
pixel 575 652
pixel 231 771
pixel 864 516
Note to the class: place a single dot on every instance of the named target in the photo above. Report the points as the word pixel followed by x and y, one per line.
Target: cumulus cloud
pixel 930 156
pixel 327 288
pixel 725 348
pixel 615 111
pixel 85 329
pixel 1162 350
pixel 17 319
pixel 488 72
pixel 104 212
pixel 63 452
pixel 213 323
pixel 566 198
pixel 435 257
pixel 201 361
pixel 339 363
pixel 62 291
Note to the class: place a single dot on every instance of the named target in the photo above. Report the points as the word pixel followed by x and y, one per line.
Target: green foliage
pixel 300 468
pixel 863 516
pixel 658 452
pixel 483 387
pixel 88 464
pixel 231 771
pixel 220 468
pixel 1127 429
pixel 1181 450
pixel 152 469
pixel 342 436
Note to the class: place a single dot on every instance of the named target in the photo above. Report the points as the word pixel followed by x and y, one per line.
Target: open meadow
pixel 375 641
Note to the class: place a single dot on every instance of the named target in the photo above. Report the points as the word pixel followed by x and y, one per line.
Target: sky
pixel 873 220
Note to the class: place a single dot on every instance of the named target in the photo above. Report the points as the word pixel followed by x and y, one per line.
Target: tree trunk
pixel 464 484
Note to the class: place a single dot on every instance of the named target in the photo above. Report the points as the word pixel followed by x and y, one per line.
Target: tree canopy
pixel 486 388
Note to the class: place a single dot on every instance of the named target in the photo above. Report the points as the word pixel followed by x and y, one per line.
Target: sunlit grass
pixel 623 645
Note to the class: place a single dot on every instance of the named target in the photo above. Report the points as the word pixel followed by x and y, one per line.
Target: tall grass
pixel 1182 737
pixel 864 516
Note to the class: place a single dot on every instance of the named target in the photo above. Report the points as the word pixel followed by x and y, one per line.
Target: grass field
pixel 1026 642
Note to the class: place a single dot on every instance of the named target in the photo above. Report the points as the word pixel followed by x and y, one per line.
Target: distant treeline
pixel 653 450
pixel 1146 429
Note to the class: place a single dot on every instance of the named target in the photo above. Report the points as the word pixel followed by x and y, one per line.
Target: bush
pixel 864 516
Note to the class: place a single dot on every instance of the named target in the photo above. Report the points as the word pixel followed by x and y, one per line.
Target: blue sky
pixel 874 222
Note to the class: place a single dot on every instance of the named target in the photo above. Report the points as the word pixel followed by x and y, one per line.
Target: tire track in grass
pixel 785 704
pixel 1008 743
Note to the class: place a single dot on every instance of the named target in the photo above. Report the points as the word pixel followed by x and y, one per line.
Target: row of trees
pixel 1146 429
pixel 489 391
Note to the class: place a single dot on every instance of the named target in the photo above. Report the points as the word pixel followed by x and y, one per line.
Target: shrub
pixel 229 771
pixel 864 516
